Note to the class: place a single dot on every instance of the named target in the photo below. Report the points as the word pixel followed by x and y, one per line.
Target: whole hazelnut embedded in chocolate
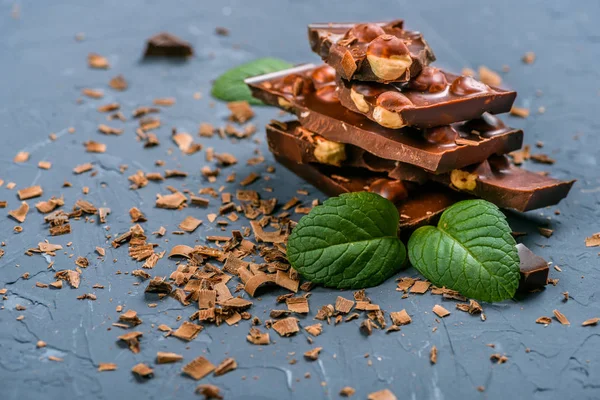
pixel 365 32
pixel 465 85
pixel 430 80
pixel 388 57
pixel 388 107
pixel 393 190
pixel 359 101
pixel 323 75
pixel 328 152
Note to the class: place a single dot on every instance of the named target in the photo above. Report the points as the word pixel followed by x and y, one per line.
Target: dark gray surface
pixel 43 69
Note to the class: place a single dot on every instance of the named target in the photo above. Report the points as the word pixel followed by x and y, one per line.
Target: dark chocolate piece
pixel 495 179
pixel 534 270
pixel 423 206
pixel 308 92
pixel 377 51
pixel 434 98
pixel 165 44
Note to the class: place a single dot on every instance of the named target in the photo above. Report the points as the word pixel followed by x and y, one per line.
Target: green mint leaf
pixel 231 87
pixel 348 242
pixel 471 251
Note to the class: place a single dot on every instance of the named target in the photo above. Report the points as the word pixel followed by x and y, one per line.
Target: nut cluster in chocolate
pixel 378 117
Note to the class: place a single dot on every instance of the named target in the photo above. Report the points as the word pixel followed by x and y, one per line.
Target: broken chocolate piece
pixel 166 44
pixel 533 268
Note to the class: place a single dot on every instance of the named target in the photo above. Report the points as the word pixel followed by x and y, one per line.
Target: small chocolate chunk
pixel 534 269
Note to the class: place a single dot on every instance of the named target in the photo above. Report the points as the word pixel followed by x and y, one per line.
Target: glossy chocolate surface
pixel 498 181
pixel 345 46
pixel 534 270
pixel 434 98
pixel 438 150
pixel 423 207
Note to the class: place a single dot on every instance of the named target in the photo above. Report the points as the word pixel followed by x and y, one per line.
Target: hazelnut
pixel 388 57
pixel 327 93
pixel 393 190
pixel 463 180
pixel 365 32
pixel 359 101
pixel 430 80
pixel 323 75
pixel 387 118
pixel 466 85
pixel 284 103
pixel 328 152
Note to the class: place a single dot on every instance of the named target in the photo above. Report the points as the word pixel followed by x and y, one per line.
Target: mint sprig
pixel 348 242
pixel 231 87
pixel 471 251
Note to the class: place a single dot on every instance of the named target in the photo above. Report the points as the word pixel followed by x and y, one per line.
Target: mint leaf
pixel 471 251
pixel 348 242
pixel 231 87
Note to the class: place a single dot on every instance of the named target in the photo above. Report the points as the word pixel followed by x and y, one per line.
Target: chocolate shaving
pixel 440 311
pixel 132 340
pixel 313 354
pixel 72 277
pixel 420 287
pixel 433 355
pixel 171 201
pixel 189 224
pixel 343 305
pixel 384 394
pixel 106 367
pixel 20 214
pixel 198 368
pixel 131 318
pixel 257 337
pixel 543 320
pixel 314 330
pixel 48 206
pixel 286 327
pixel 400 318
pixel 227 365
pixel 187 331
pixel 298 305
pixel 591 321
pixel 142 370
pixel 209 392
pixel 561 317
pixel 97 61
pixel 118 83
pixel 158 285
pixel 30 192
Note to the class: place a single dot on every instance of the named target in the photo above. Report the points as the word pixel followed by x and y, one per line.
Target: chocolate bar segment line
pixel 495 180
pixel 434 98
pixel 376 51
pixel 423 207
pixel 437 150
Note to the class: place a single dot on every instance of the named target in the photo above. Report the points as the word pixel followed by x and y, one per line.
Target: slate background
pixel 43 70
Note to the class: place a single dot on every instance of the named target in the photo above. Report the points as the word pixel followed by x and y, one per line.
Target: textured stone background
pixel 43 70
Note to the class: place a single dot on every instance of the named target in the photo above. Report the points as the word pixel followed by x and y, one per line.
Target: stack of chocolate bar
pixel 378 117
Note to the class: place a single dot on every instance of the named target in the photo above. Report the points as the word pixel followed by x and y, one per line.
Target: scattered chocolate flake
pixel 542 159
pixel 80 169
pixel 44 165
pixel 420 287
pixel 21 157
pixel 529 57
pixel 440 311
pixel 136 215
pixel 472 307
pixel 142 370
pixel 109 107
pixel 433 355
pixel 198 368
pixel 167 358
pixel 82 262
pixel 267 237
pixel 347 391
pixel 489 77
pixel 286 327
pixel 240 111
pixel 51 358
pixel 97 61
pixel 591 321
pixel 561 317
pixel 165 44
pixel 209 392
pixel 3 203
pixel 251 178
pixel 365 305
pixel 118 83
pixel 189 224
pixel 543 320
pixel 171 201
pixel 187 331
pixel 498 358
pixel 158 285
pixel 520 112
pixel 286 281
pixel 313 354
pixel 107 130
pixel 87 296
pixel 384 394
pixel 20 214
pixel 257 337
pixel 400 318
pixel 227 365
pixel 48 206
pixel 131 318
pixel 132 340
pixel 164 101
pixel 546 232
pixel 72 277
pixel 366 327
pixel 107 367
pixel 298 305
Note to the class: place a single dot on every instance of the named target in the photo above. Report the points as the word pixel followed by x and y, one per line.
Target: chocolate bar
pixel 309 92
pixel 431 99
pixel 495 179
pixel 381 51
pixel 534 270
pixel 423 206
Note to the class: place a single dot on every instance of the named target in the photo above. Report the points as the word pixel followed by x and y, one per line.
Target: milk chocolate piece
pixel 534 270
pixel 495 179
pixel 165 44
pixel 423 206
pixel 434 98
pixel 438 150
pixel 376 51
